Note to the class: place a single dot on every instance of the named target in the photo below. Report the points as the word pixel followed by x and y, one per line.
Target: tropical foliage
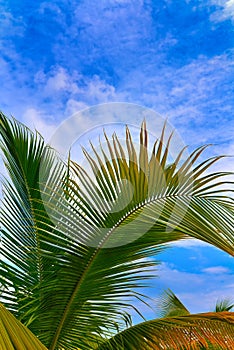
pixel 14 335
pixel 170 305
pixel 77 245
pixel 224 305
pixel 177 328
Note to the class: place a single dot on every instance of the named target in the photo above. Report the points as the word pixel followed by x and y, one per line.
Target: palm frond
pixel 62 280
pixel 14 335
pixel 224 305
pixel 24 235
pixel 184 332
pixel 169 305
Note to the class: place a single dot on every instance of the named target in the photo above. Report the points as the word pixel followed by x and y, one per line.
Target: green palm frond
pixel 224 305
pixel 77 244
pixel 179 198
pixel 181 332
pixel 24 235
pixel 14 335
pixel 169 305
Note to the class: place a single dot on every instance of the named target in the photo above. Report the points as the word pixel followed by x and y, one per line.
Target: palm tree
pixel 71 268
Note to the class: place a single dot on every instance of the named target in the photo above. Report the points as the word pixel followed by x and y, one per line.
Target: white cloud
pixel 59 80
pixel 226 10
pixel 37 120
pixel 204 300
pixel 100 90
pixel 216 270
pixel 11 24
pixel 198 292
pixel 73 106
pixel 193 95
pixel 196 97
pixel 181 94
pixel 170 275
pixel 77 90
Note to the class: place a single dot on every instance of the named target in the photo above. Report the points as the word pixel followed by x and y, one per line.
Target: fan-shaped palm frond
pixel 77 244
pixel 184 332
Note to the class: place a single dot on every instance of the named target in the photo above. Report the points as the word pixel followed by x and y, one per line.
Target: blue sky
pixel 173 56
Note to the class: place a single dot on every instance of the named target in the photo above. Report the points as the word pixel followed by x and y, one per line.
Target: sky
pixel 173 56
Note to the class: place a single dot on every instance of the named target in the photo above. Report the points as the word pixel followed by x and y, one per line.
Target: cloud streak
pixel 216 270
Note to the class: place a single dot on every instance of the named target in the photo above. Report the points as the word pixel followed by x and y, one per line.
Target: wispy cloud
pixel 225 11
pixel 196 291
pixel 37 120
pixel 216 270
pixel 120 51
pixel 191 96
